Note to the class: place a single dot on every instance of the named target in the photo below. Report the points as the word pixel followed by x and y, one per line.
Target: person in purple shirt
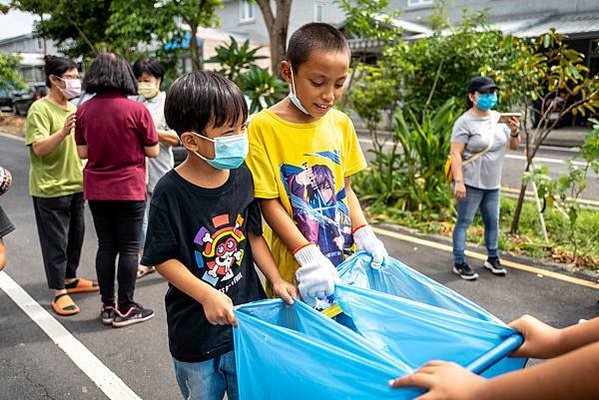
pixel 115 134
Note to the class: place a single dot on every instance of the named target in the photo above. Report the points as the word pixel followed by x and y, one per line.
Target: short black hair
pixel 149 65
pixel 469 103
pixel 314 36
pixel 199 98
pixel 54 65
pixel 110 73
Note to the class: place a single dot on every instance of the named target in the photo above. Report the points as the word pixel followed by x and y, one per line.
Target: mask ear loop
pixel 292 80
pixel 198 153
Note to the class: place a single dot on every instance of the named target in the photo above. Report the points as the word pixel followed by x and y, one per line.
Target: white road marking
pixel 106 380
pixel 511 156
pixel 544 159
pixel 479 256
pixel 13 137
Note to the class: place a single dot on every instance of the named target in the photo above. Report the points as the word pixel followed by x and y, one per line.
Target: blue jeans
pixel 208 380
pixel 144 226
pixel 488 203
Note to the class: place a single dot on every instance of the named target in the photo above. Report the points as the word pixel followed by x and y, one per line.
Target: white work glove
pixel 316 275
pixel 366 240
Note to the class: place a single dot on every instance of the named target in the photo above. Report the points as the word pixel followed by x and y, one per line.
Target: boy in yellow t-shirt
pixel 302 154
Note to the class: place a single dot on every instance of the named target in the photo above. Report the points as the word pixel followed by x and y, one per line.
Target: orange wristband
pixel 301 247
pixel 358 228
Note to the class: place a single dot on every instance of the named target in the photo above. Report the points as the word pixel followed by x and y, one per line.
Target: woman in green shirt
pixel 55 183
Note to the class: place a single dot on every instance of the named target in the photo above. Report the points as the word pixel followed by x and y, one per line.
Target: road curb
pixel 12 136
pixel 541 264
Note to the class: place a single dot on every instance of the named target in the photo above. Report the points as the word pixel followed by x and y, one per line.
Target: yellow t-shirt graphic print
pixel 305 165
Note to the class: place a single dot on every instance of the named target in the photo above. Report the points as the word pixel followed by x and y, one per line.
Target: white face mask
pixel 293 96
pixel 72 87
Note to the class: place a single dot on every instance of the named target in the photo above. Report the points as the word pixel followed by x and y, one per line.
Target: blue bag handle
pixel 490 358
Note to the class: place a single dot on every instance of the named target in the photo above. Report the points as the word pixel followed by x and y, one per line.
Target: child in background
pixel 149 74
pixel 302 155
pixel 6 226
pixel 205 233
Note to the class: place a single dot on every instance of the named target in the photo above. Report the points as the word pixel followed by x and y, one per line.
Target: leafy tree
pixel 238 63
pixel 373 94
pixel 234 58
pixel 432 70
pixel 425 73
pixel 548 71
pixel 412 180
pixel 149 22
pixel 563 193
pixel 9 75
pixel 261 87
pixel 370 19
pixel 77 26
pixel 277 23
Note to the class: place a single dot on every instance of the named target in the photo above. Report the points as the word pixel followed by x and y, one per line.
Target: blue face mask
pixel 229 151
pixel 486 101
pixel 293 96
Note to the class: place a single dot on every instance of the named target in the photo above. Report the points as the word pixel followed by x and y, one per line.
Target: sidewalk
pixel 562 137
pixel 567 137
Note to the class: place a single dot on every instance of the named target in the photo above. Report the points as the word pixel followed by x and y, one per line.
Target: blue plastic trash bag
pixel 295 352
pixel 396 278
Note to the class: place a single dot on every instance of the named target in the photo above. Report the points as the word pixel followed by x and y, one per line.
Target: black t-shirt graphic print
pixel 207 231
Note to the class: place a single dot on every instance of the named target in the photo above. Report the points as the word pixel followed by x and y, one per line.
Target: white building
pixel 31 50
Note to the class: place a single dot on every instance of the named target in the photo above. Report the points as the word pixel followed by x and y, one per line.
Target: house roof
pixel 16 38
pixel 572 24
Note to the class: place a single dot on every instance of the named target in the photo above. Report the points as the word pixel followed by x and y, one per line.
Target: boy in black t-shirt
pixel 6 226
pixel 205 232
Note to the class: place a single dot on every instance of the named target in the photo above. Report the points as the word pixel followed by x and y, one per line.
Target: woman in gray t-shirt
pixel 477 182
pixel 149 74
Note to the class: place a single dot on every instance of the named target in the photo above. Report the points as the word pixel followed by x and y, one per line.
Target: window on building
pixel 40 43
pixel 419 3
pixel 319 12
pixel 247 12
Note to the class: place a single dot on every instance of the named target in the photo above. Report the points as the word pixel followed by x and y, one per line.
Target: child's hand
pixel 366 240
pixel 316 275
pixel 443 380
pixel 219 309
pixel 286 291
pixel 540 339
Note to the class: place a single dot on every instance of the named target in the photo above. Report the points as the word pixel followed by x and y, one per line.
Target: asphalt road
pixel 552 157
pixel 33 367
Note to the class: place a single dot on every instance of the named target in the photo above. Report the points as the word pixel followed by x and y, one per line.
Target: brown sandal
pixel 64 305
pixel 81 285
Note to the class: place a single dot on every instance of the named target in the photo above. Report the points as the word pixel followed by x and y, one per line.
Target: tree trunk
pixel 196 59
pixel 277 30
pixel 277 51
pixel 41 15
pixel 520 204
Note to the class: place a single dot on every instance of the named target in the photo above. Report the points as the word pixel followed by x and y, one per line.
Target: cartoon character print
pixel 221 247
pixel 319 213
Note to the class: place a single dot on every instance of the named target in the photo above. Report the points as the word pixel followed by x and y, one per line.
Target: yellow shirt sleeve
pixel 265 184
pixel 353 158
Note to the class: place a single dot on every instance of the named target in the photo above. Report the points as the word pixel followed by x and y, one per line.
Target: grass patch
pixel 528 242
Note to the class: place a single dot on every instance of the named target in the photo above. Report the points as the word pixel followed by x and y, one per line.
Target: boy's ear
pixel 189 141
pixel 286 71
